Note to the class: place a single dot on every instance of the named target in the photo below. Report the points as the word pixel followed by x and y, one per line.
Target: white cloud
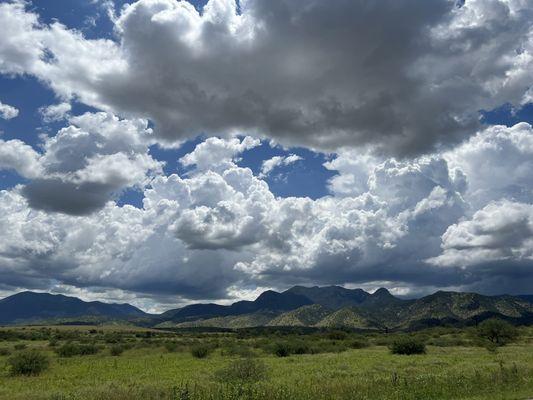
pixel 85 164
pixel 497 163
pixel 219 229
pixel 217 154
pixel 501 231
pixel 18 156
pixel 55 112
pixel 7 111
pixel 269 165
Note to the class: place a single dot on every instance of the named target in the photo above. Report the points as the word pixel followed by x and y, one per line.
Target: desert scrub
pixel 28 362
pixel 200 351
pixel 74 349
pixel 116 350
pixel 242 370
pixel 407 346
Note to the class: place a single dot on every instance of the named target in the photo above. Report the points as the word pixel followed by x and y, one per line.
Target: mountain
pixel 30 307
pixel 338 307
pixel 304 316
pixel 299 306
pixel 267 301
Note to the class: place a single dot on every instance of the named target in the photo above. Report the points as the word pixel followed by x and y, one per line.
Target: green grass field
pixel 148 370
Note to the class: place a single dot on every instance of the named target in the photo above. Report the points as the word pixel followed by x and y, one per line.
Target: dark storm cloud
pixel 405 76
pixel 66 197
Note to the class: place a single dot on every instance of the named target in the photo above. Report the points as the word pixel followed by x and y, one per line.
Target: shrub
pixel 73 349
pixel 30 362
pixel 496 332
pixel 200 351
pixel 359 344
pixel 116 350
pixel 337 335
pixel 282 349
pixel 171 346
pixel 4 351
pixel 244 370
pixel 407 346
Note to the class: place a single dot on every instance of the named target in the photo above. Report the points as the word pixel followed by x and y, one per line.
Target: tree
pixel 497 332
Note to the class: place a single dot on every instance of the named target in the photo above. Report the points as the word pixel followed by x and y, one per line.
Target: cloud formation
pixel 220 228
pixel 404 79
pixel 272 163
pixel 7 111
pixel 85 164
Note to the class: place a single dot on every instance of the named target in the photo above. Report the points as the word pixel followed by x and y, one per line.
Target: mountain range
pixel 299 306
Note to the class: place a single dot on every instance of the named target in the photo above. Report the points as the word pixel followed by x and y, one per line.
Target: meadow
pixel 119 363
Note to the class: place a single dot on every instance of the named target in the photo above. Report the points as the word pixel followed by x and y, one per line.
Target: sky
pixel 164 152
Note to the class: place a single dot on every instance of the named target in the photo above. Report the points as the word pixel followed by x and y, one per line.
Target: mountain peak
pixel 382 292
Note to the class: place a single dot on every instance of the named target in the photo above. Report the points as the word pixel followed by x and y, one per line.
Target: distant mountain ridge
pixel 299 306
pixel 338 307
pixel 28 307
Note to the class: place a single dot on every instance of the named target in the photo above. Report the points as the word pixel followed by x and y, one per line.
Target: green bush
pixel 282 349
pixel 496 332
pixel 4 351
pixel 337 335
pixel 74 349
pixel 359 344
pixel 407 346
pixel 200 351
pixel 171 347
pixel 29 362
pixel 116 350
pixel 243 370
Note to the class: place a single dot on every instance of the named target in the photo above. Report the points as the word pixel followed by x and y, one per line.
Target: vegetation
pixel 200 351
pixel 243 370
pixel 407 346
pixel 29 362
pixel 116 350
pixel 317 365
pixel 76 349
pixel 497 332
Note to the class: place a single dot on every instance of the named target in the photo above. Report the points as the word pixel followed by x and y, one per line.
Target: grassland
pixel 159 365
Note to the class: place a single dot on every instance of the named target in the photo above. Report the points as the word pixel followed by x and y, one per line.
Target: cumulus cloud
pixel 497 162
pixel 269 165
pixel 85 164
pixel 500 232
pixel 18 156
pixel 217 154
pixel 202 235
pixel 7 111
pixel 55 112
pixel 403 79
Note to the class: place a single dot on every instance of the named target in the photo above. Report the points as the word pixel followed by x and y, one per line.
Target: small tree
pixel 29 362
pixel 497 332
